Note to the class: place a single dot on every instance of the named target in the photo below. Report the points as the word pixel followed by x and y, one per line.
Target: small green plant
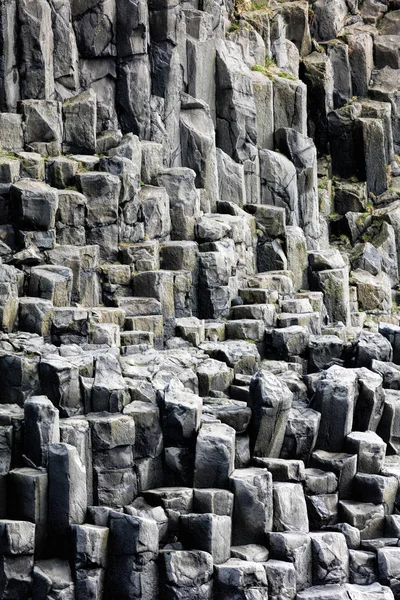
pixel 269 62
pixel 233 27
pixel 345 239
pixel 257 6
pixel 11 155
pixel 285 75
pixel 260 69
pixel 323 183
pixel 360 220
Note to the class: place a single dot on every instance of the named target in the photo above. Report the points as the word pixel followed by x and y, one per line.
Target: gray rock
pixel 263 98
pixel 370 448
pixel 37 75
pixel 290 511
pixel 236 129
pixel 65 54
pixel 90 546
pixel 215 455
pixel 324 592
pixel 41 428
pixel 179 184
pixel 388 428
pixel 336 394
pixel 148 435
pixel 53 576
pixel 209 533
pixel 198 149
pixel 270 401
pixel 383 89
pixel 283 470
pixel 330 558
pixel 29 488
pixel 230 179
pixel 181 414
pixel 281 579
pixel 216 501
pixel 373 346
pixel 186 574
pixel 250 552
pixel 368 518
pixel 243 577
pixel 301 433
pixel 290 106
pixel 279 184
pixel 67 490
pixel 251 487
pixel 43 127
pixel 133 95
pixel 17 537
pixel 133 542
pixel 322 510
pixel 377 489
pixel 343 465
pixel 375 590
pixel 34 205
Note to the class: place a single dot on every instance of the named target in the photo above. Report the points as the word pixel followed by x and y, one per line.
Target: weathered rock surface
pixel 199 325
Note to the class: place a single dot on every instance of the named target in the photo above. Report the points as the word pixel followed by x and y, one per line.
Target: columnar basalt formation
pixel 199 302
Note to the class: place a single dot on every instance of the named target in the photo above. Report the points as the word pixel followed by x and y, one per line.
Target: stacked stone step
pixel 17 549
pixel 227 380
pixel 114 476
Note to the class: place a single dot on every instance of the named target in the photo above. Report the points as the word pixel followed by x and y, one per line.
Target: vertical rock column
pixel 17 543
pixel 9 75
pixel 67 494
pixel 168 71
pixel 133 73
pixel 149 444
pixel 270 401
pixel 90 543
pixel 41 429
pixel 198 147
pixel 253 514
pixel 28 500
pixel 302 152
pixel 37 44
pixel 335 399
pixel 186 574
pixel 133 548
pixel 114 478
pixel 181 415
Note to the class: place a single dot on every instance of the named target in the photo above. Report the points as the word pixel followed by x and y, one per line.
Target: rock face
pixel 199 323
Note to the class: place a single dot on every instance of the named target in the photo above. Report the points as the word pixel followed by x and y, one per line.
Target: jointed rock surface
pixel 199 300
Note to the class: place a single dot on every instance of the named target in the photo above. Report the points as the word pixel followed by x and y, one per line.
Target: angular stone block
pixel 215 456
pixel 207 532
pixel 252 488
